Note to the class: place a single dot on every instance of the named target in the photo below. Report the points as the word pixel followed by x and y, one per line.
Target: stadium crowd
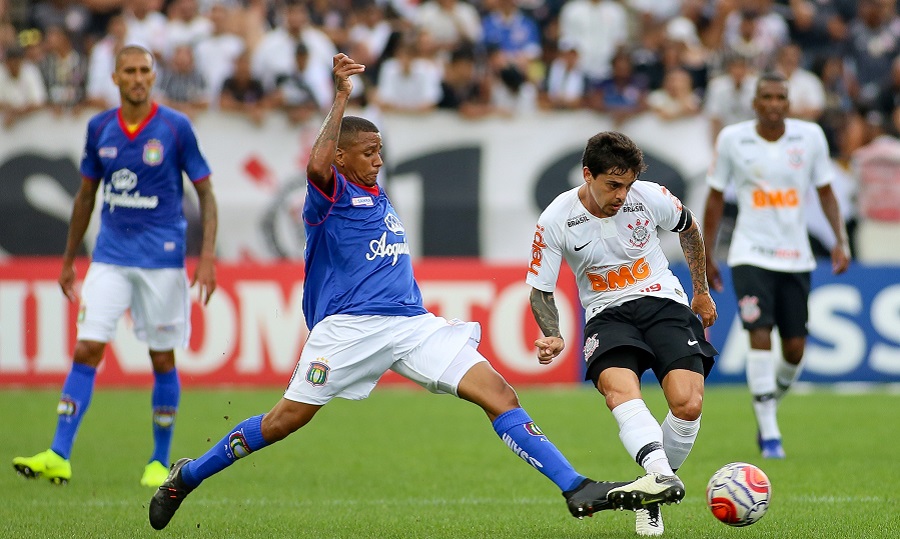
pixel 673 58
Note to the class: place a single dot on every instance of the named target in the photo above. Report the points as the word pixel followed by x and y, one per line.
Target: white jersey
pixel 772 180
pixel 614 259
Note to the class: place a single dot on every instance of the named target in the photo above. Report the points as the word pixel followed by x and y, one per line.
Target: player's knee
pixel 688 409
pixel 88 353
pixel 285 418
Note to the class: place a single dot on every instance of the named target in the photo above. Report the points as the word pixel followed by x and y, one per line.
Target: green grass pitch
pixel 406 464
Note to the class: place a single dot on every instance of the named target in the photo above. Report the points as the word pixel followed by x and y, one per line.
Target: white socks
pixel 785 375
pixel 678 438
pixel 642 436
pixel 761 381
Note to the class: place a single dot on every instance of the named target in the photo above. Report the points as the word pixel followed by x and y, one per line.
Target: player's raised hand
pixel 713 277
pixel 704 307
pixel 67 282
pixel 205 276
pixel 549 348
pixel 344 67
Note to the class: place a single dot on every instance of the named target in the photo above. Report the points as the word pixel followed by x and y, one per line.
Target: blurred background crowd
pixel 481 58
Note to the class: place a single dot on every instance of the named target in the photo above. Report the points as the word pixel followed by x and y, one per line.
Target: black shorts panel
pixel 665 330
pixel 769 298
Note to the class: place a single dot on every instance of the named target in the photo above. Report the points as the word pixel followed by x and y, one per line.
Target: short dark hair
pixel 351 127
pixel 611 152
pixel 132 49
pixel 770 76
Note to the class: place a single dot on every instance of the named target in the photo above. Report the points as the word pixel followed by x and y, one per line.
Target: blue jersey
pixel 357 256
pixel 142 223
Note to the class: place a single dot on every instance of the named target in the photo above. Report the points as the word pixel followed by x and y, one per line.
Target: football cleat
pixel 155 473
pixel 772 449
pixel 46 464
pixel 169 496
pixel 651 489
pixel 590 496
pixel 648 521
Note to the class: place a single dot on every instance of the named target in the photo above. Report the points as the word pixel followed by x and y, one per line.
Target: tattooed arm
pixel 695 256
pixel 546 314
pixel 318 169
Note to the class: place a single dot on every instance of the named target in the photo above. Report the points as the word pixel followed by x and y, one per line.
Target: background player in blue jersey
pixel 137 153
pixel 365 315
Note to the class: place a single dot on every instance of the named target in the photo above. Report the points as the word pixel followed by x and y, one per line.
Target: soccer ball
pixel 738 494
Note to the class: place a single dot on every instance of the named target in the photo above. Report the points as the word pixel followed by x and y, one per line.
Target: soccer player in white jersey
pixel 137 153
pixel 772 162
pixel 365 314
pixel 638 315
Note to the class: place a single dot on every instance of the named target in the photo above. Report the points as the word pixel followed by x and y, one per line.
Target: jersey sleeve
pixel 91 166
pixel 319 203
pixel 192 161
pixel 546 255
pixel 720 168
pixel 822 170
pixel 666 208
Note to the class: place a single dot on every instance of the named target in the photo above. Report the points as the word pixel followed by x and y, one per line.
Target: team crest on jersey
pixel 153 152
pixel 795 157
pixel 749 307
pixel 590 346
pixel 392 222
pixel 640 234
pixel 317 373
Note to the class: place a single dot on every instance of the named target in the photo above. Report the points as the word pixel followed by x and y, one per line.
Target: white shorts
pixel 345 355
pixel 158 300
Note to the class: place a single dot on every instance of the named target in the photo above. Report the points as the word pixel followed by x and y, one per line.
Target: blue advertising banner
pixel 854 327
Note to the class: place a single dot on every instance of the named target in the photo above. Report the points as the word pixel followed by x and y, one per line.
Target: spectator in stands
pixel 838 103
pixel 22 90
pixel 623 95
pixel 275 56
pixel 451 23
pixel 507 28
pixel 805 91
pixel 756 31
pixel 102 92
pixel 64 71
pixel 461 89
pixel 369 35
pixel 294 93
pixel 510 91
pixel 581 21
pixel 877 166
pixel 564 87
pixel 676 99
pixel 73 17
pixel 244 94
pixel 872 45
pixel 216 53
pixel 185 25
pixel 335 18
pixel 729 97
pixel 181 85
pixel 407 83
pixel 888 101
pixel 817 27
pixel 147 27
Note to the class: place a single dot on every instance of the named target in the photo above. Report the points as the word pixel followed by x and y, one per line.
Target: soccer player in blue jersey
pixel 138 153
pixel 365 315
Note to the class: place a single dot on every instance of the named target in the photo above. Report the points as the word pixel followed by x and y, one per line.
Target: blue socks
pixel 73 404
pixel 243 439
pixel 527 441
pixel 166 394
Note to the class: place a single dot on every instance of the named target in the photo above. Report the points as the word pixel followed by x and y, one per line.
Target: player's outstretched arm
pixel 712 216
pixel 840 253
pixel 543 307
pixel 82 208
pixel 205 274
pixel 318 169
pixel 695 256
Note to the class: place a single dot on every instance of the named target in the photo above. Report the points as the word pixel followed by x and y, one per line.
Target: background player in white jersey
pixel 637 312
pixel 365 314
pixel 773 162
pixel 138 152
